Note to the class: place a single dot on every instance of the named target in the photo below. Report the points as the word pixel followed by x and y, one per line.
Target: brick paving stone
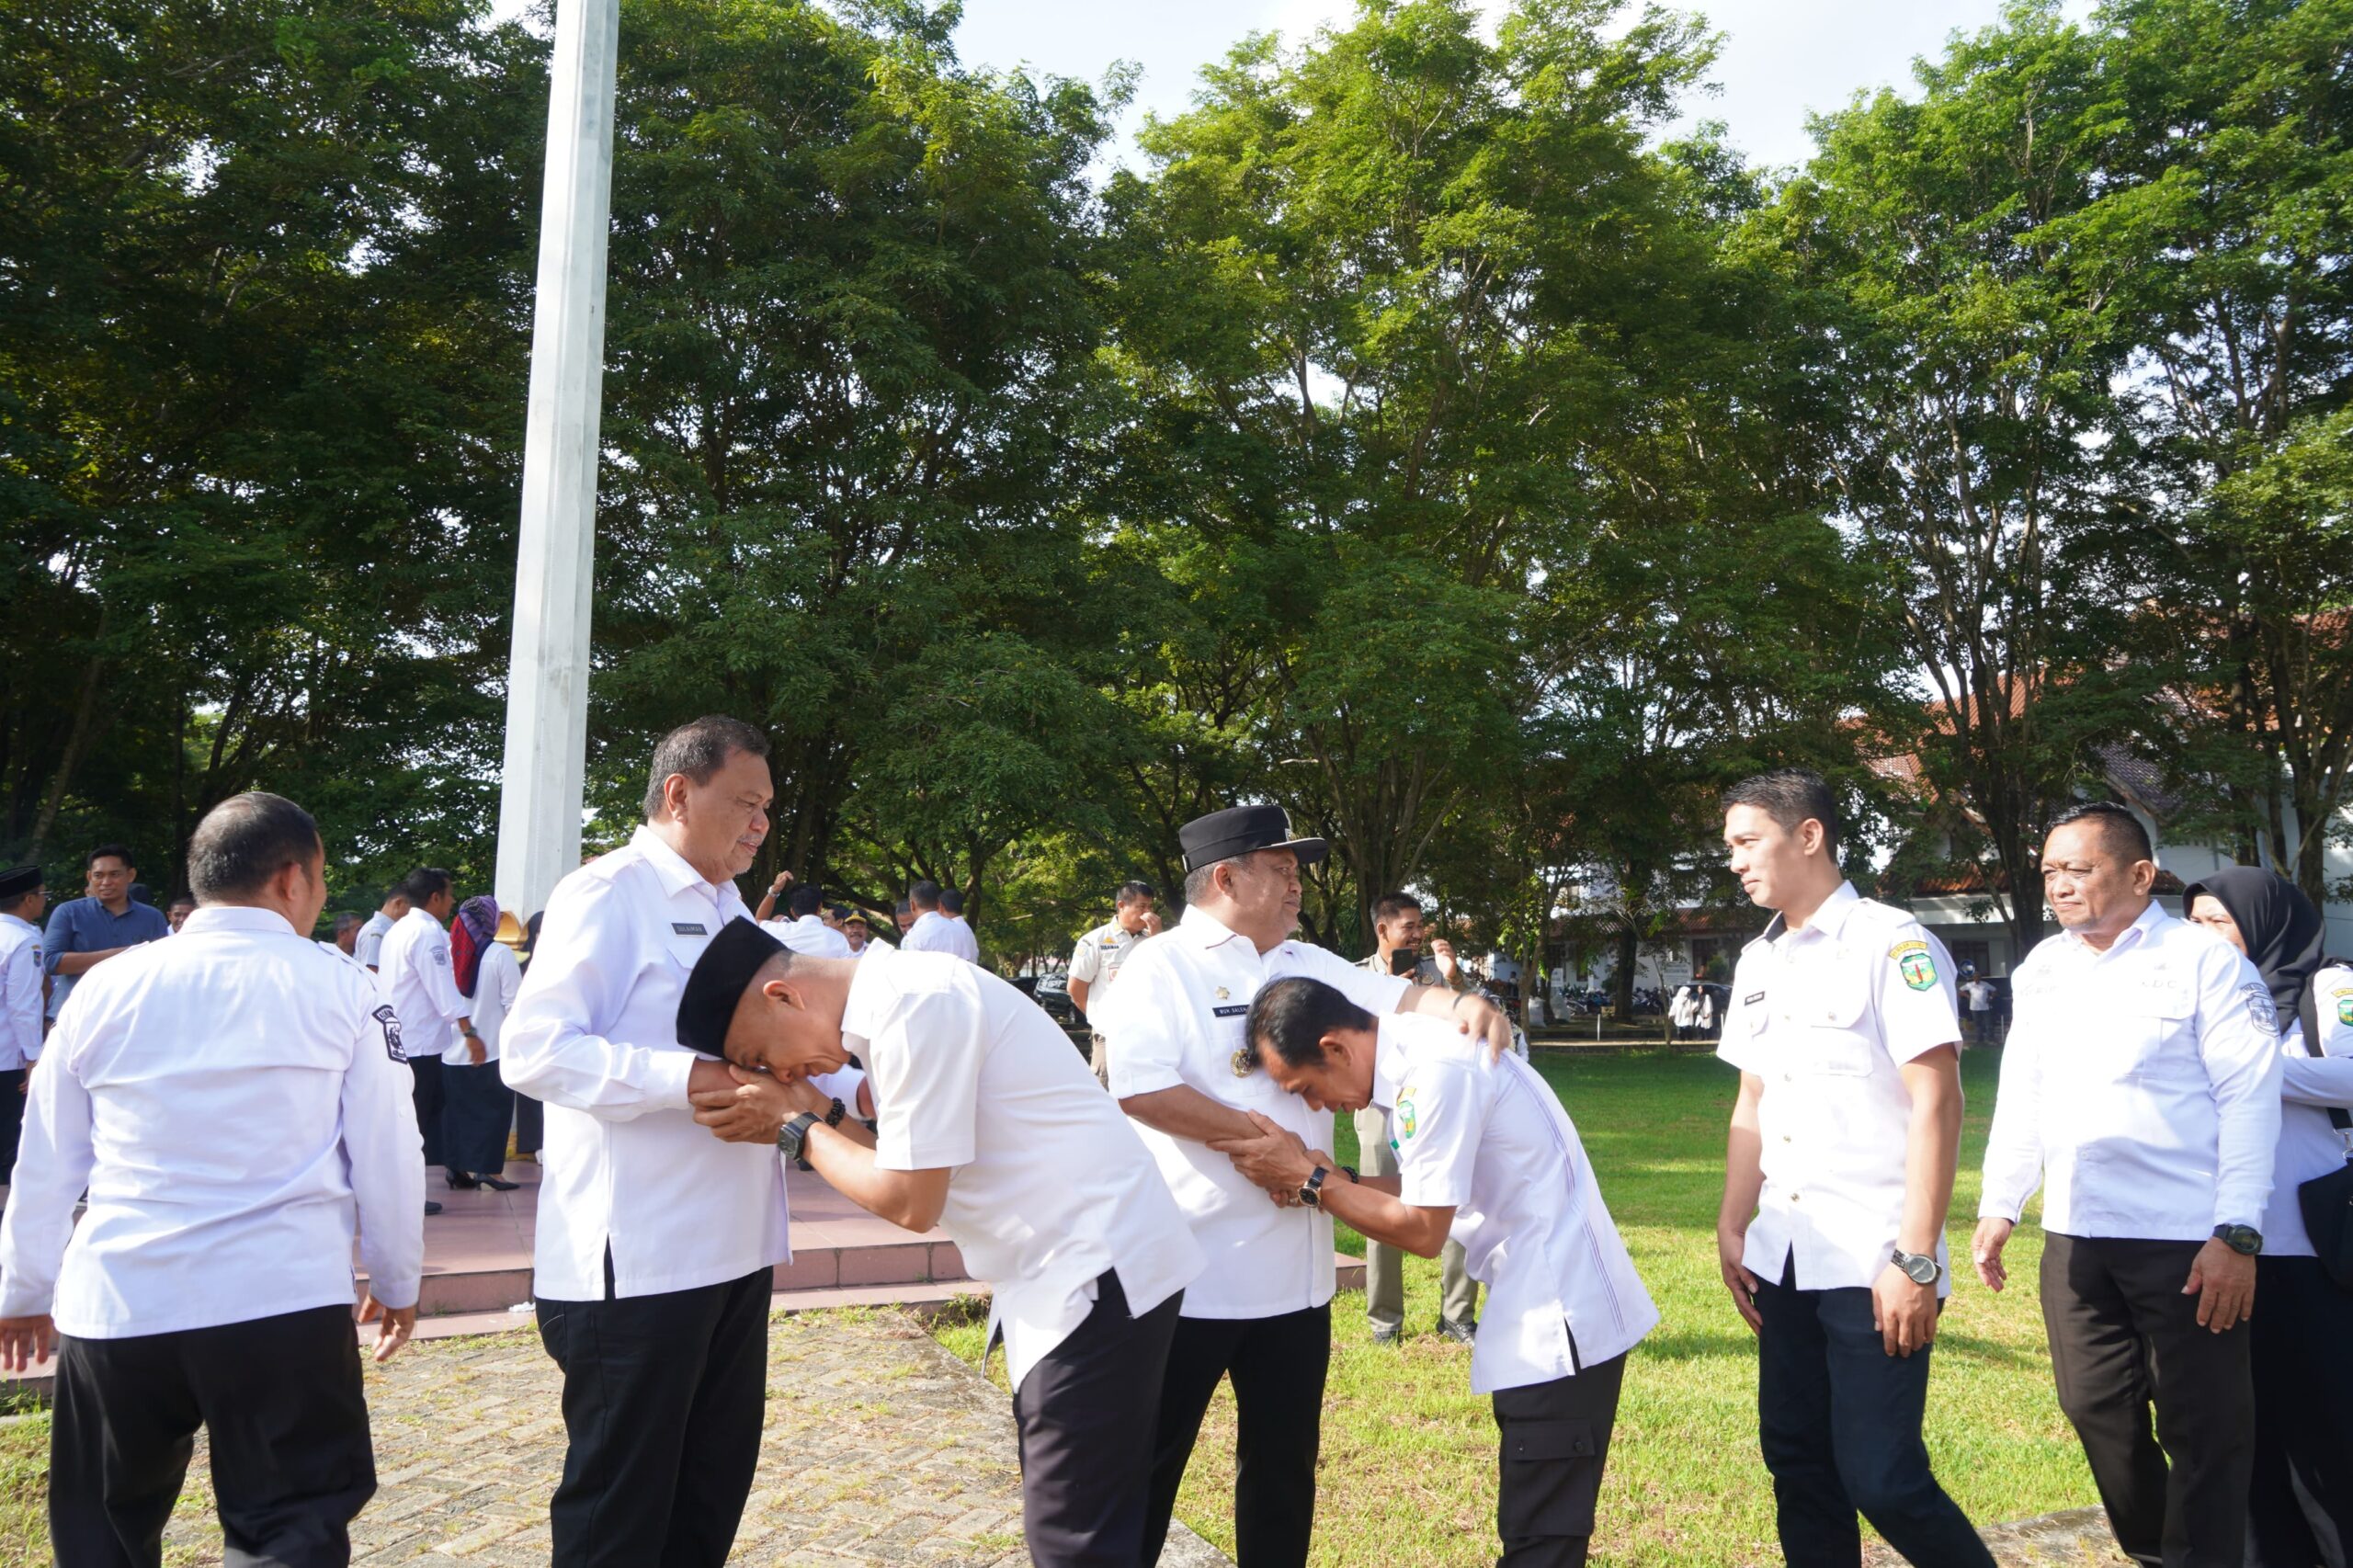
pixel 880 1447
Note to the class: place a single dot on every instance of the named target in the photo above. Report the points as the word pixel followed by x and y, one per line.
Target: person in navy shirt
pixel 85 932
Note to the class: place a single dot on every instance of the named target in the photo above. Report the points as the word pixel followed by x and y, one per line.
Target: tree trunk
pixel 75 739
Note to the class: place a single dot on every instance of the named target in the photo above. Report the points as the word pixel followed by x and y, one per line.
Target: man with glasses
pixel 85 932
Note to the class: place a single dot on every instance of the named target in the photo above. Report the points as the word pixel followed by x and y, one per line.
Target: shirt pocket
pixel 1828 1027
pixel 2158 1040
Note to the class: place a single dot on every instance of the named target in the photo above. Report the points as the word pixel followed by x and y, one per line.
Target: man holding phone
pixel 1397 928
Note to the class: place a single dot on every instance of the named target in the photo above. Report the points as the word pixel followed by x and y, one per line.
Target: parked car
pixel 1052 994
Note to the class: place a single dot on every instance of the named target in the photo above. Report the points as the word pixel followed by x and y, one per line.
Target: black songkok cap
pixel 18 880
pixel 719 978
pixel 1244 830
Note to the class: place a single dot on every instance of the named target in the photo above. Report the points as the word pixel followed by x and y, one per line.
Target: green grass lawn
pixel 1409 1455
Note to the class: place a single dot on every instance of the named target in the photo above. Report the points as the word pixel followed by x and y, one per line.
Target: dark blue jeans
pixel 1839 1419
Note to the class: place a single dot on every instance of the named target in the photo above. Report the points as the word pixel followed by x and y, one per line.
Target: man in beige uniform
pixel 1397 927
pixel 1095 962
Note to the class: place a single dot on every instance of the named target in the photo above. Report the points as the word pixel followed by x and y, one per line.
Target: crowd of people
pixel 1156 1215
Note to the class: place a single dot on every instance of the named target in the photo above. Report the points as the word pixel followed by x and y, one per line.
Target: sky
pixel 1780 58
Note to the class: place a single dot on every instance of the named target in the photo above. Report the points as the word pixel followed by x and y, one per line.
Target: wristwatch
pixel 2244 1240
pixel 1311 1194
pixel 794 1137
pixel 1920 1269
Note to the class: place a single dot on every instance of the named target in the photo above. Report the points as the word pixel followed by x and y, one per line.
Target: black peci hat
pixel 1241 830
pixel 18 880
pixel 717 984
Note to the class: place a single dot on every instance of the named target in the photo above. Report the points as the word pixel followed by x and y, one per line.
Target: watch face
pixel 1922 1269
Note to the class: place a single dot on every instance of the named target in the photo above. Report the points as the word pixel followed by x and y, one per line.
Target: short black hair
pixel 244 841
pixel 698 750
pixel 1290 1018
pixel 118 851
pixel 181 898
pixel 1790 796
pixel 923 895
pixel 1390 905
pixel 806 901
pixel 424 885
pixel 951 901
pixel 1127 894
pixel 2118 826
pixel 345 920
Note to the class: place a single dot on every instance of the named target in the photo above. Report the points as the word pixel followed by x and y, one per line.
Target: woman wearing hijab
pixel 477 1106
pixel 2300 1514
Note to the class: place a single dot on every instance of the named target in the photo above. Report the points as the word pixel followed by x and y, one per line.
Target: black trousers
pixel 12 1119
pixel 1555 1440
pixel 477 1107
pixel 2124 1340
pixel 1839 1421
pixel 2300 1513
pixel 1277 1366
pixel 1086 1439
pixel 663 1397
pixel 531 1120
pixel 280 1397
pixel 429 1100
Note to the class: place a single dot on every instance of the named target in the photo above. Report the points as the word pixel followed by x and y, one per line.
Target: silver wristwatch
pixel 1919 1268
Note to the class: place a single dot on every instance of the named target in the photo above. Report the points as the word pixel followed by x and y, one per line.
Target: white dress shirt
pixel 1827 1016
pixel 810 936
pixel 593 1034
pixel 2310 1144
pixel 20 997
pixel 1051 1185
pixel 1176 1018
pixel 1098 957
pixel 2142 1082
pixel 422 987
pixel 1490 1141
pixel 935 933
pixel 368 947
pixel 237 1105
pixel 496 985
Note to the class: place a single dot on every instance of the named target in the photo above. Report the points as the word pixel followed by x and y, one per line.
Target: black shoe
pixel 431 1207
pixel 1461 1333
pixel 460 1182
pixel 497 1184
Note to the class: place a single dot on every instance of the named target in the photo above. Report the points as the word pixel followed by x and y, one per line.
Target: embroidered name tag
pixel 1230 1012
pixel 1752 1001
pixel 688 928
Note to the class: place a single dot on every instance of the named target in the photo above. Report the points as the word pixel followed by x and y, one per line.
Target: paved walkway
pixel 880 1447
pixel 2078 1538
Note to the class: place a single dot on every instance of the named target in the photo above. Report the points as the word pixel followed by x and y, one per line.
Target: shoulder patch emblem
pixel 2345 1006
pixel 388 1021
pixel 1405 1115
pixel 1914 961
pixel 441 957
pixel 2260 1007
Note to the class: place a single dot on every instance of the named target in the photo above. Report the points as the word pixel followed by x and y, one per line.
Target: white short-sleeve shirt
pixel 496 985
pixel 1098 957
pixel 1177 1018
pixel 1826 1016
pixel 1491 1141
pixel 2142 1083
pixel 20 994
pixel 810 936
pixel 422 985
pixel 1051 1187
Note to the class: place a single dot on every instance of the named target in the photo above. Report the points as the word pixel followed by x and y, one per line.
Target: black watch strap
pixel 793 1139
pixel 1312 1192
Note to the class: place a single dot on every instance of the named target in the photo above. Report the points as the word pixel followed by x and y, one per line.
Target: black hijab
pixel 2282 930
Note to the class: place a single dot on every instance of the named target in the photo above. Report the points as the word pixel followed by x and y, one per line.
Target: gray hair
pixel 698 750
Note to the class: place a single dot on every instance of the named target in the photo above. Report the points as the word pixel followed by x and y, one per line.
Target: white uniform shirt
pixel 593 1034
pixel 935 933
pixel 1176 1018
pixel 1098 957
pixel 20 997
pixel 1490 1141
pixel 1827 1015
pixel 424 987
pixel 2142 1083
pixel 496 985
pixel 2332 1005
pixel 237 1105
pixel 1052 1186
pixel 1980 995
pixel 368 948
pixel 810 936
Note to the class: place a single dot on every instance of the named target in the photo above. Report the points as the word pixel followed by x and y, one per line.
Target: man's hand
pixel 1152 923
pixel 476 1052
pixel 1737 1280
pixel 399 1324
pixel 1476 1015
pixel 749 1109
pixel 1276 1159
pixel 783 880
pixel 1442 954
pixel 24 1341
pixel 2222 1278
pixel 1985 1251
pixel 1903 1310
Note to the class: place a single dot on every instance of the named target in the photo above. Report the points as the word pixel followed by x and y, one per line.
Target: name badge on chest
pixel 688 929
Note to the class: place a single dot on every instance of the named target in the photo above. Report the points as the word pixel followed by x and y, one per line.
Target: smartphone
pixel 1405 961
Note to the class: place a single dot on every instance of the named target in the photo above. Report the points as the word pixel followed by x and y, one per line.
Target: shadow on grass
pixel 1698 1345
